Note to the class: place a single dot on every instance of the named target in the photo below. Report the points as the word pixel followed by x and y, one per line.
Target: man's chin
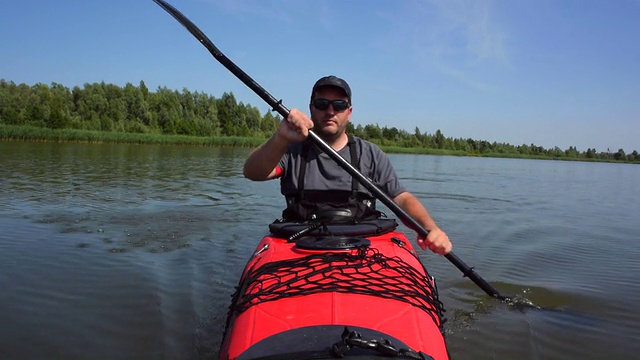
pixel 327 133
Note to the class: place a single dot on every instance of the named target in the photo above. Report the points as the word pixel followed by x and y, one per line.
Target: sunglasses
pixel 323 104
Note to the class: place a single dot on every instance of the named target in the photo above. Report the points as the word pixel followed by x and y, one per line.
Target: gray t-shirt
pixel 323 173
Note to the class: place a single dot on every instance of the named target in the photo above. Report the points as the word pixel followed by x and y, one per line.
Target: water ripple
pixel 132 252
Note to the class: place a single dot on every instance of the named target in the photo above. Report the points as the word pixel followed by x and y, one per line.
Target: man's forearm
pixel 261 163
pixel 416 210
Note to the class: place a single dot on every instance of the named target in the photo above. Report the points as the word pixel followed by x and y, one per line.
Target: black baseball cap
pixel 332 81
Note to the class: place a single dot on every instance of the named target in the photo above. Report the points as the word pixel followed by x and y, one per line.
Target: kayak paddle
pixel 384 198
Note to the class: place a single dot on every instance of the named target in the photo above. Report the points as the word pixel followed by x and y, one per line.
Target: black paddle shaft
pixel 284 112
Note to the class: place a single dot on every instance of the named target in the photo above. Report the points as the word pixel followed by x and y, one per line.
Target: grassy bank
pixel 23 133
pixel 26 133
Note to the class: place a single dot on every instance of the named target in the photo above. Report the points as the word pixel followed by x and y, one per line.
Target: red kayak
pixel 321 292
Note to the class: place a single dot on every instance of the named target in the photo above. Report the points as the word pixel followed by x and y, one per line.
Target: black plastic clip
pixel 279 103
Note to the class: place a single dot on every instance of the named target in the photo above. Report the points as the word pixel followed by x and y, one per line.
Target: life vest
pixel 330 206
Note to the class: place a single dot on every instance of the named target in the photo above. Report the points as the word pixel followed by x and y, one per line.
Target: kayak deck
pixel 301 299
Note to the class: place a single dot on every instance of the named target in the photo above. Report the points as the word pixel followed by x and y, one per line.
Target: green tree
pixel 620 155
pixel 269 124
pixel 439 139
pixel 373 132
pixel 166 105
pixel 227 113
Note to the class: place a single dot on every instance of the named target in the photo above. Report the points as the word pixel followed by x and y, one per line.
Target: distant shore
pixel 26 133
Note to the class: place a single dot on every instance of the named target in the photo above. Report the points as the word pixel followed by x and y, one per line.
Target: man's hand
pixel 437 241
pixel 295 127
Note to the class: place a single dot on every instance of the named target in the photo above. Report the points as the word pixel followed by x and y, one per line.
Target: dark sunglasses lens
pixel 321 104
pixel 339 105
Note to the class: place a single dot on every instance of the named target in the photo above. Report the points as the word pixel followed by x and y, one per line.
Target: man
pixel 302 166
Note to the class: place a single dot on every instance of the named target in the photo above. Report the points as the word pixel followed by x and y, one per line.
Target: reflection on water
pixel 129 251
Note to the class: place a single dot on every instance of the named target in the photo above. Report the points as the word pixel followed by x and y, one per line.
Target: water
pixel 129 251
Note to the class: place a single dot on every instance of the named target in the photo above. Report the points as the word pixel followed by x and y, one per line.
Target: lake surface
pixel 118 251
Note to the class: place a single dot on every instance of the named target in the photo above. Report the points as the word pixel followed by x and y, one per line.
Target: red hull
pixel 400 320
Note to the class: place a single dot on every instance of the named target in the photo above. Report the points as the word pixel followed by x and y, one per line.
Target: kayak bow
pixel 326 296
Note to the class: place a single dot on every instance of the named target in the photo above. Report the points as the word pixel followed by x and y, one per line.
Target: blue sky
pixel 549 72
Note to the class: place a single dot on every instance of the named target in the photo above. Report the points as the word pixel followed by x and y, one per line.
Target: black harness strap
pixel 332 206
pixel 305 161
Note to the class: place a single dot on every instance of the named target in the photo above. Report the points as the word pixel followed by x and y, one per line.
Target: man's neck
pixel 338 142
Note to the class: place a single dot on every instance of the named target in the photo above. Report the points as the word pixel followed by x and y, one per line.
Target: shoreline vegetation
pixel 106 113
pixel 32 134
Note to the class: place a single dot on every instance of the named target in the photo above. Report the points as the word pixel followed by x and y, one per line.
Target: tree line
pixel 136 109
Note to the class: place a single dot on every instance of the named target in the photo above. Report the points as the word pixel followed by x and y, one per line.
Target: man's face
pixel 330 123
